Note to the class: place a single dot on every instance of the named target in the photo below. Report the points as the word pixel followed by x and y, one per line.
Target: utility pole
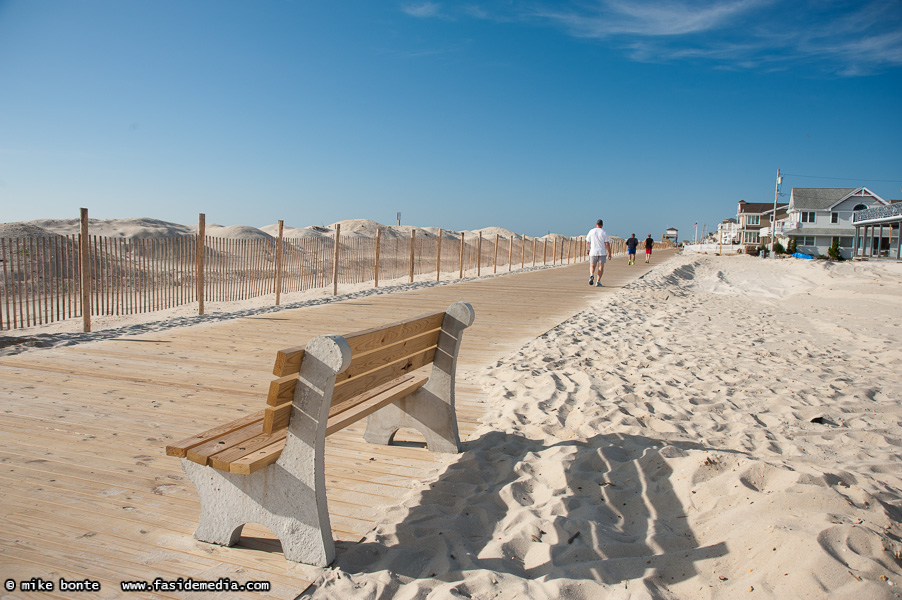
pixel 773 217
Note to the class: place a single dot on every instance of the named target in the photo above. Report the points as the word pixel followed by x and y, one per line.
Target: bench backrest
pixel 378 356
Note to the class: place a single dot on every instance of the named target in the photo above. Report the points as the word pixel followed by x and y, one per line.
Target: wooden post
pixel 523 251
pixel 544 250
pixel 376 258
pixel 535 244
pixel 438 255
pixel 495 254
pixel 413 236
pixel 510 253
pixel 279 263
pixel 85 270
pixel 553 251
pixel 479 255
pixel 461 255
pixel 335 260
pixel 199 257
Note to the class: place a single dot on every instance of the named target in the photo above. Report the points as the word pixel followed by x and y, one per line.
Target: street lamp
pixel 773 218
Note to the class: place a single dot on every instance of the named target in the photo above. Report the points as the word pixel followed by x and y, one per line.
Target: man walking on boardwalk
pixel 649 243
pixel 631 244
pixel 598 247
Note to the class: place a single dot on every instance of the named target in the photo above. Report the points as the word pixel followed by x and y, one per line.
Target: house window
pixel 806 240
pixel 860 207
pixel 844 242
pixel 753 220
pixel 808 217
pixel 751 237
pixel 834 217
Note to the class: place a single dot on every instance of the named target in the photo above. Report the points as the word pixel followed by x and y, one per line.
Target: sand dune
pixel 724 427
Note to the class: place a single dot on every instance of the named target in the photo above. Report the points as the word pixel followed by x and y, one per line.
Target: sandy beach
pixel 724 427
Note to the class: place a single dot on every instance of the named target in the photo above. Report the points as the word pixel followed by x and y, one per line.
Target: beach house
pixel 753 218
pixel 817 216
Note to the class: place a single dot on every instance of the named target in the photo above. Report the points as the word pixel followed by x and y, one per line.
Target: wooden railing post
pixel 199 260
pixel 495 255
pixel 523 251
pixel 84 256
pixel 413 236
pixel 510 253
pixel 461 276
pixel 438 255
pixel 479 255
pixel 376 258
pixel 279 263
pixel 335 260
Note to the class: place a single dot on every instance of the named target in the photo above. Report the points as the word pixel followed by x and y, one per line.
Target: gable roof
pixel 826 198
pixel 759 207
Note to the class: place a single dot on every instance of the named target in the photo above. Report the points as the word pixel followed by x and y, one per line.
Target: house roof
pixel 838 231
pixel 759 207
pixel 826 198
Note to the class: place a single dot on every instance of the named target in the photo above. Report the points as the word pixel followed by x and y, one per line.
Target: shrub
pixel 778 248
pixel 833 250
pixel 791 247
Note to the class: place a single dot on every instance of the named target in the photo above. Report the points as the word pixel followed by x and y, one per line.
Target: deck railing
pixel 877 212
pixel 41 277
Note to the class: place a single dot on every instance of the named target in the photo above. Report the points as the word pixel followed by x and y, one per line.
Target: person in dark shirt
pixel 631 245
pixel 649 243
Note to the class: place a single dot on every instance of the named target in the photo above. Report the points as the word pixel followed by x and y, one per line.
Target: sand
pixel 724 427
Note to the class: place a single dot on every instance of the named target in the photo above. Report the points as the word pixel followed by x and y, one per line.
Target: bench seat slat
pixel 279 416
pixel 259 459
pixel 363 363
pixel 377 337
pixel 224 459
pixel 281 390
pixel 349 388
pixel 374 402
pixel 201 454
pixel 288 361
pixel 180 448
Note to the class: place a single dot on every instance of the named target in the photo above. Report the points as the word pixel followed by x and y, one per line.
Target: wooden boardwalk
pixel 86 491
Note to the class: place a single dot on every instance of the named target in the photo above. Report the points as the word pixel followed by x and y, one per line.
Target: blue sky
pixel 534 116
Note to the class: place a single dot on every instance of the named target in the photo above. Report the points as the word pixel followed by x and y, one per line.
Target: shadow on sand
pixel 602 509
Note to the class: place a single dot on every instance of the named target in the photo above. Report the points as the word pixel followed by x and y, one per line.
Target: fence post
pixel 535 244
pixel 495 254
pixel 376 259
pixel 279 263
pixel 523 252
pixel 199 258
pixel 438 255
pixel 335 260
pixel 85 269
pixel 461 255
pixel 413 236
pixel 479 255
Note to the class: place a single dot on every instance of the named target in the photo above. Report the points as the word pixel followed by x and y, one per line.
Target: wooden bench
pixel 268 467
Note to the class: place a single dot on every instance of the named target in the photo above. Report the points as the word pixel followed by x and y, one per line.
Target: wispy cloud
pixel 646 18
pixel 843 37
pixel 422 10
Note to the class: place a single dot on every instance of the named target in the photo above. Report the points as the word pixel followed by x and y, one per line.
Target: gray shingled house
pixel 817 216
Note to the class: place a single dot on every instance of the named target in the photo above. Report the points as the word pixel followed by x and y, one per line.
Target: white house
pixel 817 216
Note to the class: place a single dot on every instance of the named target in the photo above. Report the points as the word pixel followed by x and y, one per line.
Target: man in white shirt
pixel 598 247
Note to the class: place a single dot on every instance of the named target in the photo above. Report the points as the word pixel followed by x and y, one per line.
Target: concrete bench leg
pixel 430 409
pixel 289 496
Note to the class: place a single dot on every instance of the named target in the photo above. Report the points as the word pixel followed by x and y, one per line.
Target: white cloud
pixel 422 10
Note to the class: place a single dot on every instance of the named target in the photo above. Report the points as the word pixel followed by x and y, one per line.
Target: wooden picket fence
pixel 48 279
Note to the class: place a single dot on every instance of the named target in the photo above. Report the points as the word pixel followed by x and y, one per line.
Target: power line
pixel 845 178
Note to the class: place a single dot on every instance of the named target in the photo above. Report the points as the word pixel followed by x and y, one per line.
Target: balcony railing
pixel 877 212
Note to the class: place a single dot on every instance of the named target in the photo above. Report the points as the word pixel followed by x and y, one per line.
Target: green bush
pixel 778 248
pixel 833 250
pixel 791 246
